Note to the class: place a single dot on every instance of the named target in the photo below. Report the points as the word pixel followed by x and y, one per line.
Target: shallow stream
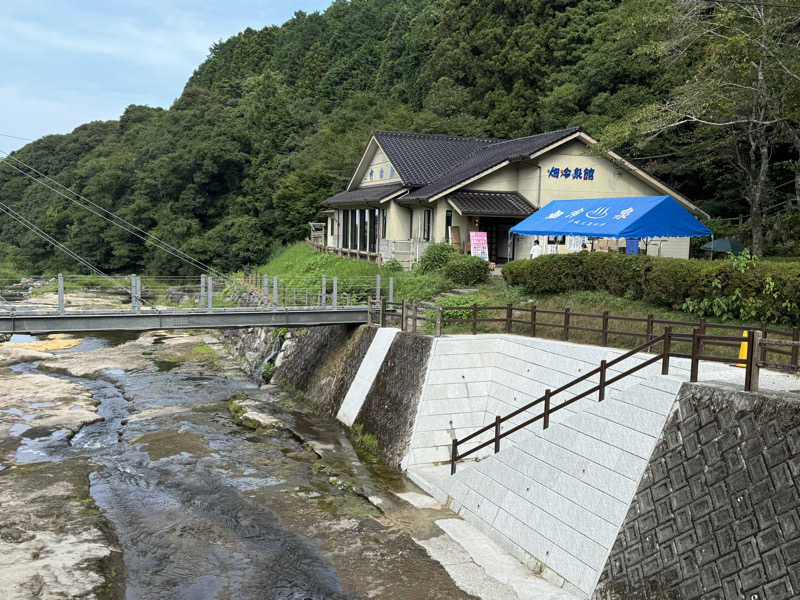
pixel 206 509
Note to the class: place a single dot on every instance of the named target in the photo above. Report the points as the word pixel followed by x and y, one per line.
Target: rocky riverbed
pixel 151 467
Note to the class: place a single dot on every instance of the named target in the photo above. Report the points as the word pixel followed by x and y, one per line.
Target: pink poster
pixel 479 246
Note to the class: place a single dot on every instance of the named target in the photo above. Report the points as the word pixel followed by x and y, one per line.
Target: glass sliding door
pixel 373 229
pixel 345 229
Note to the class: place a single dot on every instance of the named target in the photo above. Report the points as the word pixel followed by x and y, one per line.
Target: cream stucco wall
pixel 379 161
pixel 396 221
pixel 609 181
pixel 502 180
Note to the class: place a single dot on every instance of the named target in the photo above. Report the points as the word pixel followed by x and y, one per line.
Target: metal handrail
pixel 548 395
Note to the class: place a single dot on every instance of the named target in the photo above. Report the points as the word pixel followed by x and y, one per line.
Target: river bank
pixel 126 474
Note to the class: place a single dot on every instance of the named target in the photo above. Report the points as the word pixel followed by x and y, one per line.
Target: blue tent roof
pixel 636 217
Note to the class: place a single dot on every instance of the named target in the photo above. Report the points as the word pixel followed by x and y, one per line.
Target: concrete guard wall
pixel 554 498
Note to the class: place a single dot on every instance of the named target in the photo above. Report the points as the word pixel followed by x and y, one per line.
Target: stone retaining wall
pixel 715 515
pixel 390 408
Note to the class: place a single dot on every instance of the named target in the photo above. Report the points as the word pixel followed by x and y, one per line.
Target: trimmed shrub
pixel 435 257
pixel 466 270
pixel 392 266
pixel 738 288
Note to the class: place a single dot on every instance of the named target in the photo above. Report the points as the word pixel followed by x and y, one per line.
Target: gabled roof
pixel 489 156
pixel 477 203
pixel 372 193
pixel 420 158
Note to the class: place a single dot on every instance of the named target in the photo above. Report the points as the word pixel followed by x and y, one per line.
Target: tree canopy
pixel 274 121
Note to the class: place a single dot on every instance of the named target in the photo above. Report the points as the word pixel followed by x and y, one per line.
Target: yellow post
pixel 742 351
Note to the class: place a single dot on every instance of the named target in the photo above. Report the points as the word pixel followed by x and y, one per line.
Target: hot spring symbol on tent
pixel 600 212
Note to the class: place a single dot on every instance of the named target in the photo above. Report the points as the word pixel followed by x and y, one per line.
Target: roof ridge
pixel 420 134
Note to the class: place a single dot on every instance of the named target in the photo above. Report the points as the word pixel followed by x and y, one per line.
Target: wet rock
pixel 33 404
pixel 11 354
pixel 55 543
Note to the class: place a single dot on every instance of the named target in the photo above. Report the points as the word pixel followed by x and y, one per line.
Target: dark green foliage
pixel 466 270
pixel 275 120
pixel 435 257
pixel 737 288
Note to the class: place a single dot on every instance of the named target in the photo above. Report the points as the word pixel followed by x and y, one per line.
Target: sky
pixel 68 62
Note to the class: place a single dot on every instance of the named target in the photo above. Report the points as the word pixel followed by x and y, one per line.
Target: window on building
pixel 383 223
pixel 391 172
pixel 380 173
pixel 345 229
pixel 427 216
pixel 371 174
pixel 557 239
pixel 411 223
pixel 448 223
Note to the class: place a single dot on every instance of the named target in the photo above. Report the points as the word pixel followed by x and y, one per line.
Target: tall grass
pixel 301 267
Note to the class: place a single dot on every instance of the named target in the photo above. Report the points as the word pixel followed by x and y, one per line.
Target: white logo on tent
pixel 598 213
pixel 555 215
pixel 575 213
pixel 624 214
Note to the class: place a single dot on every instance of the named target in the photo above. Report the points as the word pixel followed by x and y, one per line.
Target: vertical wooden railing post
pixel 474 319
pixel 566 324
pixel 403 315
pixel 667 349
pixel 762 355
pixel 335 291
pixel 649 333
pixel 383 311
pixel 546 418
pixel 533 321
pixel 748 372
pixel 497 434
pixel 756 367
pixel 453 456
pixel 509 316
pixel 602 391
pixel 414 318
pixel 695 355
pixel 438 331
pixel 369 310
pixel 604 339
pixel 795 348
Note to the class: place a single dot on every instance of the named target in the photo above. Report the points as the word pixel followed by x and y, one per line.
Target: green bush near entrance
pixel 738 288
pixel 467 270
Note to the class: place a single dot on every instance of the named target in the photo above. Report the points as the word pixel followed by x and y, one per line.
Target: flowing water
pixel 200 505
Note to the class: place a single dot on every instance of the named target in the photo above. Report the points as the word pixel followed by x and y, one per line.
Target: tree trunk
pixel 758 193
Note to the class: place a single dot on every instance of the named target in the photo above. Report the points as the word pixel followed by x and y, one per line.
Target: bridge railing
pixel 145 292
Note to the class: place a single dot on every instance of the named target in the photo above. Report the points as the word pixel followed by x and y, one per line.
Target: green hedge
pixel 466 270
pixel 737 288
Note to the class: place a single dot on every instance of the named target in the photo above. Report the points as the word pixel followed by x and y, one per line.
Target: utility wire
pixel 123 224
pixel 751 3
pixel 15 137
pixel 51 240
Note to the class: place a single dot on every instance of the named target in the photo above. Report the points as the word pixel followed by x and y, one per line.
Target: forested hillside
pixel 274 121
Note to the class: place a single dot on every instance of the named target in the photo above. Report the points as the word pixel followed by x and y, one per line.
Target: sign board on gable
pixel 479 245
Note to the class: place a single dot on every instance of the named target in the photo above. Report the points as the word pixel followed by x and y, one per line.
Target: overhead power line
pixel 752 3
pixel 15 137
pixel 112 218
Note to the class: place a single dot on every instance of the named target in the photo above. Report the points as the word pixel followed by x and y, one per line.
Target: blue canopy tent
pixel 633 217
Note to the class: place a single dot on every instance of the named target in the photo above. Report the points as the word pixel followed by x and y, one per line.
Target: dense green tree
pixel 275 120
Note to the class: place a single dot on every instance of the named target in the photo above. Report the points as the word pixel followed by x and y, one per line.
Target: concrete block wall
pixel 556 497
pixel 715 515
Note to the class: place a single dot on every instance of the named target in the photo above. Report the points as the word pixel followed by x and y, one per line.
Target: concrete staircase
pixel 554 498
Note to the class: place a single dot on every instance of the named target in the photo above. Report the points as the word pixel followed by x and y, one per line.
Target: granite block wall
pixel 717 512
